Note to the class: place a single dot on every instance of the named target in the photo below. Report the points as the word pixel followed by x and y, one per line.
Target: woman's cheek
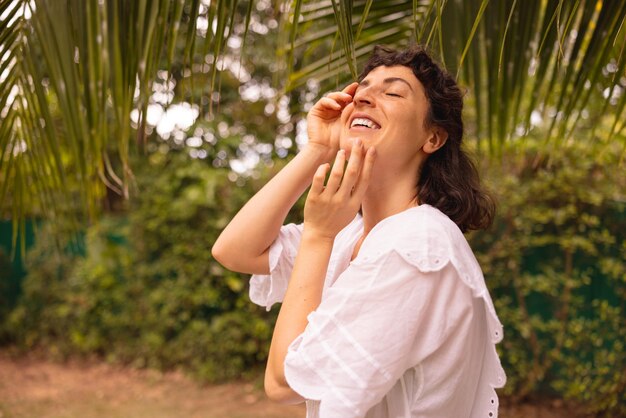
pixel 346 137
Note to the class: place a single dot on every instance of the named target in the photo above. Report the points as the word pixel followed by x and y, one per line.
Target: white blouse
pixel 407 329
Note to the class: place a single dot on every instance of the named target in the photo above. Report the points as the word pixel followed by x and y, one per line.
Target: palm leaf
pixel 74 70
pixel 512 55
pixel 71 72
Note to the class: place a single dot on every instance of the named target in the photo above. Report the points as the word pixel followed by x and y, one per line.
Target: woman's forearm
pixel 303 297
pixel 328 209
pixel 244 243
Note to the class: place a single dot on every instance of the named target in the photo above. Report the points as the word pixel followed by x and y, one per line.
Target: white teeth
pixel 364 122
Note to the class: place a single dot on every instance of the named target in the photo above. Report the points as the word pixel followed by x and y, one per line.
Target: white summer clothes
pixel 406 329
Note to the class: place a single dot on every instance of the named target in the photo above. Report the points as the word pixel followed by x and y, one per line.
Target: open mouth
pixel 365 123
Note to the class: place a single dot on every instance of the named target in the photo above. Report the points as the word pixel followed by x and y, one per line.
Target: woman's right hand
pixel 324 120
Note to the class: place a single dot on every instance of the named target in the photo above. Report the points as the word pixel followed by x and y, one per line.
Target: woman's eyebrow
pixel 395 79
pixel 388 80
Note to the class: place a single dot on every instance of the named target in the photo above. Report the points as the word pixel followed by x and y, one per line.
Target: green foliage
pixel 6 275
pixel 148 291
pixel 555 262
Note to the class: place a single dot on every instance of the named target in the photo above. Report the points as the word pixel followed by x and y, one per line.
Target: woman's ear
pixel 438 137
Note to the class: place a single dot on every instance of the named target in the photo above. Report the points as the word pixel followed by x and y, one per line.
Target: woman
pixel 384 310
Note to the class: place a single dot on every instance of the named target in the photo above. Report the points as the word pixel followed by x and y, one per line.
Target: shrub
pixel 147 291
pixel 555 263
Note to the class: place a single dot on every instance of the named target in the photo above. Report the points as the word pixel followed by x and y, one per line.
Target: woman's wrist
pixel 317 237
pixel 320 153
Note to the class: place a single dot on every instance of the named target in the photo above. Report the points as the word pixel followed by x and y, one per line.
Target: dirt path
pixel 35 388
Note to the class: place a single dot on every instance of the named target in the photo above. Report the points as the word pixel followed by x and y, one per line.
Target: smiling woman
pixel 385 312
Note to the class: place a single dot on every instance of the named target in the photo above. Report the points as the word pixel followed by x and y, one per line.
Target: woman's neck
pixel 386 197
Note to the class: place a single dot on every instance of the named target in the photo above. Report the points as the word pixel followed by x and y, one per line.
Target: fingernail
pixel 357 142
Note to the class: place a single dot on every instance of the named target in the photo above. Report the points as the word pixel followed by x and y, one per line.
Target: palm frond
pixel 72 72
pixel 518 59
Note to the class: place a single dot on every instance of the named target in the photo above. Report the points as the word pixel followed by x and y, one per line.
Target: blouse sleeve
pixel 385 314
pixel 265 290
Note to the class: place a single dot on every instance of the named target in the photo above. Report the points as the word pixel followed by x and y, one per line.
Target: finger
pixel 329 103
pixel 350 88
pixel 317 186
pixel 340 97
pixel 351 175
pixel 334 180
pixel 366 173
pixel 346 95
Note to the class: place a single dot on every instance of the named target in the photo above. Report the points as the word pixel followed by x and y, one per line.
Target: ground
pixel 32 387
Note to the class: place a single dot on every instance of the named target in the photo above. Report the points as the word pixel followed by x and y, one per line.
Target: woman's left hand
pixel 328 209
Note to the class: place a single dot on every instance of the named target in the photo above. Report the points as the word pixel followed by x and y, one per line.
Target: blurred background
pixel 132 131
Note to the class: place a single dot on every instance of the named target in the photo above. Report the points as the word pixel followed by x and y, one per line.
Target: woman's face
pixel 388 112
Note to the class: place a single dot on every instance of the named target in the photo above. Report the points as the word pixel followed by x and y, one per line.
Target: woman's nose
pixel 364 97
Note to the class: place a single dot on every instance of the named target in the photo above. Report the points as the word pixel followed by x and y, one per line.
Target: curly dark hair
pixel 448 179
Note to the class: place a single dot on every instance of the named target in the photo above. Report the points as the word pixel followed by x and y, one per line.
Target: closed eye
pixel 393 95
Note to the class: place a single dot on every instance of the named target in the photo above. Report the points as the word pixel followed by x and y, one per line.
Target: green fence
pixel 12 268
